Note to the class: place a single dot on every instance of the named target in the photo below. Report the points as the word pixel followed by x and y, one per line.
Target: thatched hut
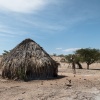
pixel 28 61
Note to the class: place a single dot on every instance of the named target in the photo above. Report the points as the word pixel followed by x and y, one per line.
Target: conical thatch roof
pixel 28 61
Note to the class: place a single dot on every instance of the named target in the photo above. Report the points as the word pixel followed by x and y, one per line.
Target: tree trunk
pixel 73 67
pixel 87 66
pixel 79 65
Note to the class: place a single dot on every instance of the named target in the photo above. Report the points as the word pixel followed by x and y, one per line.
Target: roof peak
pixel 27 41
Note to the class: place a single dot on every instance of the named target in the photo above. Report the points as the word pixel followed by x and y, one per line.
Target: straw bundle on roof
pixel 28 61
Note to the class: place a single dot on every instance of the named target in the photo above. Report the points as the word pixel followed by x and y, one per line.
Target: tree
pixel 6 52
pixel 61 55
pixel 74 58
pixel 78 60
pixel 54 54
pixel 88 55
pixel 68 58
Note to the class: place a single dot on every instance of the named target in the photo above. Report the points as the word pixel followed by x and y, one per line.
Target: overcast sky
pixel 59 26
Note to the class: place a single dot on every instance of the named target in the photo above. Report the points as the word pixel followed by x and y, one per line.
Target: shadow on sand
pixel 94 69
pixel 50 78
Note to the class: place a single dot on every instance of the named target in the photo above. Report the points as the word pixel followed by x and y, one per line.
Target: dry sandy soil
pixel 84 85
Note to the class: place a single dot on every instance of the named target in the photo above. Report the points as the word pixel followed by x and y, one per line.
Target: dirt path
pixel 85 85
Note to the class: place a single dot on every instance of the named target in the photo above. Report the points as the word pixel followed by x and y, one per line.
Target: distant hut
pixel 28 61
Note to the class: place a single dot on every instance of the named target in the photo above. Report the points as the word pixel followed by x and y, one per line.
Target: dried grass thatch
pixel 28 61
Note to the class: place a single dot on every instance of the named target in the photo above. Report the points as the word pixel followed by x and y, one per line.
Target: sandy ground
pixel 84 85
